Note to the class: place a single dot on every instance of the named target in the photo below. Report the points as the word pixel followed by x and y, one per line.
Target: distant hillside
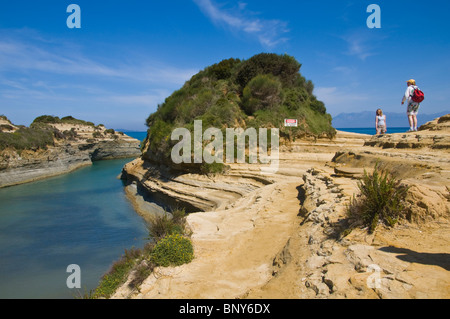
pixel 367 119
pixel 255 93
pixel 53 146
pixel 47 130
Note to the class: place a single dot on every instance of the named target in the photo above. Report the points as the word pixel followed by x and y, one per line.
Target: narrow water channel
pixel 80 218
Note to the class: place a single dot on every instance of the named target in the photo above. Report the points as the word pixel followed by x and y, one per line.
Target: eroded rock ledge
pixel 282 238
pixel 194 192
pixel 318 262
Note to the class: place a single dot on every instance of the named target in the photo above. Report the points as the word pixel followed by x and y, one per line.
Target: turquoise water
pixel 137 135
pixel 372 131
pixel 78 218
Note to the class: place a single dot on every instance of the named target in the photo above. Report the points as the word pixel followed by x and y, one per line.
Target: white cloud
pixel 25 50
pixel 147 99
pixel 52 76
pixel 359 48
pixel 268 32
pixel 33 68
pixel 363 43
pixel 338 100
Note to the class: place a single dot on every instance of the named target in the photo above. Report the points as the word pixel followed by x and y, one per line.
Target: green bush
pixel 318 106
pixel 6 127
pixel 223 69
pixel 70 135
pixel 97 134
pixel 159 139
pixel 262 92
pixel 162 226
pixel 382 198
pixel 173 250
pixel 167 224
pixel 283 66
pixel 120 270
pixel 49 119
pixel 27 139
pixel 213 168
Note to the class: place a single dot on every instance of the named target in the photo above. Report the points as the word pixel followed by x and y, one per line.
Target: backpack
pixel 417 96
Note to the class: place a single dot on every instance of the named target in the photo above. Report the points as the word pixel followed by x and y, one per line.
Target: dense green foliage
pixel 40 134
pixel 382 198
pixel 166 224
pixel 48 119
pixel 133 259
pixel 25 138
pixel 173 250
pixel 169 245
pixel 259 92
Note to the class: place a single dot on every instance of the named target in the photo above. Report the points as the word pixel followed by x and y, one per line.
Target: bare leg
pixel 414 118
pixel 411 121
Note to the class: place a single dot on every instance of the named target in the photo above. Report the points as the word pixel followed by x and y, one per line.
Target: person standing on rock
pixel 413 107
pixel 380 122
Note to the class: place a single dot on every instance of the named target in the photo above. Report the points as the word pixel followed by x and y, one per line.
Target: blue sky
pixel 130 55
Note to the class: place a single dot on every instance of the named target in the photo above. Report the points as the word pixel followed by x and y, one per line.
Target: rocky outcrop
pixel 348 267
pixel 194 192
pixel 283 237
pixel 413 140
pixel 416 156
pixel 410 261
pixel 440 124
pixel 6 125
pixel 86 145
pixel 432 135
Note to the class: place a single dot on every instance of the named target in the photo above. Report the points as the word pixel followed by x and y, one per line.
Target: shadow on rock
pixel 436 259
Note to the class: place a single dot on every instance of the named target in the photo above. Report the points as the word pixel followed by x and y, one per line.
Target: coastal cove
pixel 82 217
pixel 249 224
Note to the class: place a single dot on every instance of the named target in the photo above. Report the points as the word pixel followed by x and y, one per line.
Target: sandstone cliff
pixel 279 236
pixel 84 144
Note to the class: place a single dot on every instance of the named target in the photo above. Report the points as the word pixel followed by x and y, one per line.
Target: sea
pixel 372 130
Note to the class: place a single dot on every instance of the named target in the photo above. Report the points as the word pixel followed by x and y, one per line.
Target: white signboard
pixel 291 122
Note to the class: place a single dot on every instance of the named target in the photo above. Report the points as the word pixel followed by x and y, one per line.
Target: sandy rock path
pixel 235 249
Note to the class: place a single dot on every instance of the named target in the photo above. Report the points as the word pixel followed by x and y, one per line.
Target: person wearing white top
pixel 413 107
pixel 380 122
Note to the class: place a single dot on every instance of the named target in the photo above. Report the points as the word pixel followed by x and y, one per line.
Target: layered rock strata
pixel 281 237
pixel 88 144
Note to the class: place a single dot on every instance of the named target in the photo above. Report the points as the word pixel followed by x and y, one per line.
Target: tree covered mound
pixel 260 92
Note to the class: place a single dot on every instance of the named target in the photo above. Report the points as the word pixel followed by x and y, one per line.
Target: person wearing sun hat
pixel 413 107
